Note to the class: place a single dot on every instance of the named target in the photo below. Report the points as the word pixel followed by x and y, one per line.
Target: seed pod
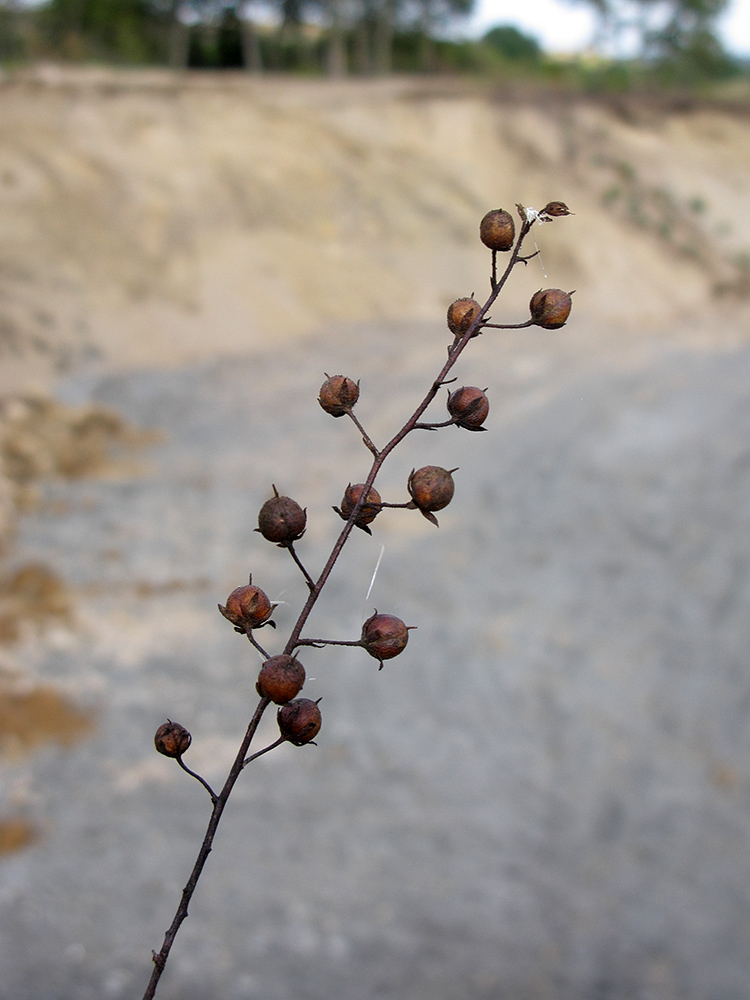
pixel 497 230
pixel 556 209
pixel 248 608
pixel 367 512
pixel 338 394
pixel 384 636
pixel 281 678
pixel 550 308
pixel 172 739
pixel 281 520
pixel 431 487
pixel 469 407
pixel 299 721
pixel 461 314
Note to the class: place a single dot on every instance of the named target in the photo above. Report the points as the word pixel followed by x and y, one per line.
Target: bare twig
pixel 197 777
pixel 320 643
pixel 365 436
pixel 509 326
pixel 292 552
pixel 257 645
pixel 259 753
pixel 160 957
pixel 315 587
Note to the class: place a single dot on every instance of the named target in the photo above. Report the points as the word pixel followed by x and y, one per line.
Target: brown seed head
pixel 384 636
pixel 247 608
pixel 368 511
pixel 282 520
pixel 497 230
pixel 172 739
pixel 299 721
pixel 556 209
pixel 281 678
pixel 469 407
pixel 431 488
pixel 461 314
pixel 338 394
pixel 550 307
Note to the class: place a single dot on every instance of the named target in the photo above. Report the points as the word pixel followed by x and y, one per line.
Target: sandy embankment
pixel 152 220
pixel 157 220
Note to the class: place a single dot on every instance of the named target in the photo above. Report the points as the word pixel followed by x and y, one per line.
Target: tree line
pixel 336 37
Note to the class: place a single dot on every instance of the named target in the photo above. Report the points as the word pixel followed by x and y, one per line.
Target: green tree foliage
pixel 513 44
pixel 130 31
pixel 677 37
pixel 686 43
pixel 15 29
pixel 313 36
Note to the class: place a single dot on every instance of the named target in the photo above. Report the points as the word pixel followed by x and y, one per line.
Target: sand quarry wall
pixel 150 219
pixel 158 219
pixel 183 252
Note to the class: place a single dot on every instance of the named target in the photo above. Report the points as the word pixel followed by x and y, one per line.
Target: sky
pixel 566 26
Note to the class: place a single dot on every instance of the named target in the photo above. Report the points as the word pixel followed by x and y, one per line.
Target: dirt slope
pixel 153 219
pixel 550 797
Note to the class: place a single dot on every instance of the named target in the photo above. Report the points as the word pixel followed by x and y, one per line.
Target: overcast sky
pixel 563 26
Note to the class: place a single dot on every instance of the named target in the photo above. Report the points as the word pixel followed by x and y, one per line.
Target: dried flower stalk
pixel 283 521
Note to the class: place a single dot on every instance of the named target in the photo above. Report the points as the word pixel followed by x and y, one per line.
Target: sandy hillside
pixel 153 219
pixel 566 815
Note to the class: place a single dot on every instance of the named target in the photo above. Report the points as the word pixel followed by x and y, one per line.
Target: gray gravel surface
pixel 546 796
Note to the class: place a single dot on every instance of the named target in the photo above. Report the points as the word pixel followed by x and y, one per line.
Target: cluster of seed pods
pixel 283 521
pixel 430 489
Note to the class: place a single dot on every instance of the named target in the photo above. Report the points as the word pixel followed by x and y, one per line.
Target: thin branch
pixel 272 746
pixel 444 423
pixel 320 643
pixel 257 645
pixel 365 436
pixel 197 777
pixel 510 326
pixel 531 256
pixel 293 553
pixel 160 959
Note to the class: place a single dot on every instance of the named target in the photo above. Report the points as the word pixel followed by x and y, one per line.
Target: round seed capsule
pixel 299 721
pixel 497 230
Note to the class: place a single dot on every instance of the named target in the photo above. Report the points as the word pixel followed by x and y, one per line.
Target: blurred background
pixel 205 208
pixel 612 43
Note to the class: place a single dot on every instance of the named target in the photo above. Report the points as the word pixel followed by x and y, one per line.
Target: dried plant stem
pixel 197 777
pixel 320 643
pixel 411 423
pixel 365 436
pixel 316 587
pixel 259 753
pixel 257 645
pixel 160 958
pixel 443 423
pixel 293 554
pixel 510 326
